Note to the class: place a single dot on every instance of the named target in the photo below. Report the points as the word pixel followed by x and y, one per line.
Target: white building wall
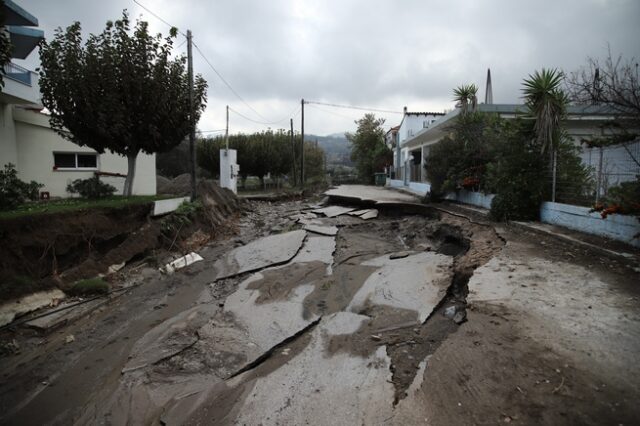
pixel 8 149
pixel 412 124
pixel 17 92
pixel 36 143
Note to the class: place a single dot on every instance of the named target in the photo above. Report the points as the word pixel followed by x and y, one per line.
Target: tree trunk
pixel 131 174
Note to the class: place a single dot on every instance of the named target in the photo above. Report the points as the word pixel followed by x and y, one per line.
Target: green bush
pixel 89 287
pixel 183 216
pixel 461 157
pixel 517 176
pixel 91 188
pixel 13 191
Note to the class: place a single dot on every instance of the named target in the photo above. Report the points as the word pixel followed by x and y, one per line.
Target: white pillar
pixel 229 170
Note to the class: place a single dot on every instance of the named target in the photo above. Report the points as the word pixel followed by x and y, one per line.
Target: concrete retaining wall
pixel 395 183
pixel 420 187
pixel 161 207
pixel 469 197
pixel 615 226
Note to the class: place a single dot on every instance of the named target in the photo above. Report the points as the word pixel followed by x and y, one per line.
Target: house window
pixel 72 160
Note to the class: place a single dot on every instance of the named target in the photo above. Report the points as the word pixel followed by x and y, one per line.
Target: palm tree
pixel 547 104
pixel 465 96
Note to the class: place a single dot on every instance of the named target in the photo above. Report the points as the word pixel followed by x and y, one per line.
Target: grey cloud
pixel 376 53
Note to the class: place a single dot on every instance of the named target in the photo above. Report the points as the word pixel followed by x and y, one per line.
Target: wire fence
pixel 606 167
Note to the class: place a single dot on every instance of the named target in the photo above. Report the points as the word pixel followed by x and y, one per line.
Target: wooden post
pixel 192 122
pixel 302 146
pixel 293 148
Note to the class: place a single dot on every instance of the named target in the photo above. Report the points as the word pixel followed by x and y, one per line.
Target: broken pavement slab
pixel 417 282
pixel 358 212
pixel 322 230
pixel 333 211
pixel 169 337
pixel 268 307
pixel 371 214
pixel 23 305
pixel 370 194
pixel 261 253
pixel 330 388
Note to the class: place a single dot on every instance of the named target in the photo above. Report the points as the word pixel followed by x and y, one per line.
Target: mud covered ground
pixel 401 319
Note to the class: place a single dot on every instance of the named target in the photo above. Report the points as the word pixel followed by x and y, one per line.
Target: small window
pixel 87 161
pixel 66 160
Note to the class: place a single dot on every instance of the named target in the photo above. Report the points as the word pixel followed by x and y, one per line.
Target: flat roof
pixel 16 15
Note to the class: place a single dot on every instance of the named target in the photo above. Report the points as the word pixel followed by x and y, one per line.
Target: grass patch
pixel 89 286
pixel 72 204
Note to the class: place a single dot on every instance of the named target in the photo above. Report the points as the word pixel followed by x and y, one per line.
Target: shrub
pixel 183 216
pixel 460 159
pixel 517 176
pixel 13 191
pixel 91 188
pixel 88 287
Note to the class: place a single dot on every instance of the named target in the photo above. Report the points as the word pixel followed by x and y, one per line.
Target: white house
pixel 408 164
pixel 582 122
pixel 27 140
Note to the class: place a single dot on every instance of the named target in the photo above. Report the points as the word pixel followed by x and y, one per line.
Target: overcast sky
pixel 371 53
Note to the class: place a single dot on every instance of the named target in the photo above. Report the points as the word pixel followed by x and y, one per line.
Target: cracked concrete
pixel 259 254
pixel 349 328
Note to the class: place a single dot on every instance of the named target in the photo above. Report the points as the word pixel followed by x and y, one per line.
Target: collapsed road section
pixel 312 314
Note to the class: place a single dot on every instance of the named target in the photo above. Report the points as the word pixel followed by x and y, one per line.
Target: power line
pixel 266 123
pixel 330 112
pixel 181 44
pixel 157 17
pixel 354 107
pixel 213 68
pixel 227 83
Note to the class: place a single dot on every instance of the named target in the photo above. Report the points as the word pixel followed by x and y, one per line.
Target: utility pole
pixel 302 147
pixel 293 148
pixel 192 130
pixel 226 132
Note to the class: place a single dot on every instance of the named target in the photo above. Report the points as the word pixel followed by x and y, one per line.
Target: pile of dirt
pixel 180 185
pixel 43 251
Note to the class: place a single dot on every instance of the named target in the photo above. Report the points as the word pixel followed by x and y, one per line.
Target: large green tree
pixel 368 149
pixel 120 91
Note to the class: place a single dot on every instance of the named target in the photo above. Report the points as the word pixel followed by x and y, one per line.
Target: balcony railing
pixel 17 73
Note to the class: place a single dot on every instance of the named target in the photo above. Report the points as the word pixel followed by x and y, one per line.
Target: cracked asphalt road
pixel 285 326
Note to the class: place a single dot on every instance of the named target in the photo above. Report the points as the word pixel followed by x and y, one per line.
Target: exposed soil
pixel 44 245
pixel 49 250
pixel 486 374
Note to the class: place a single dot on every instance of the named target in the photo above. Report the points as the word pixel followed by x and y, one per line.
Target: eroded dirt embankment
pixel 39 246
pixel 57 249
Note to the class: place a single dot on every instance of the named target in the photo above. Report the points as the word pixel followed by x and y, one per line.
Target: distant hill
pixel 335 146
